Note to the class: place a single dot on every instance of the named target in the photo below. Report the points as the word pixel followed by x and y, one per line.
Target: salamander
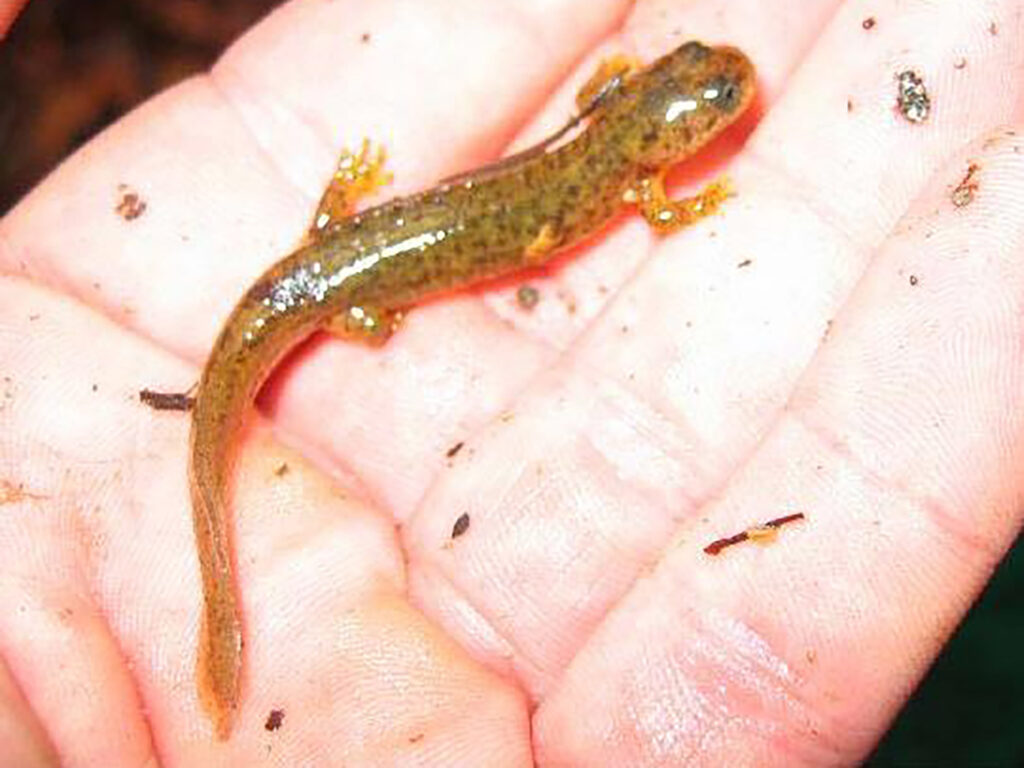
pixel 356 273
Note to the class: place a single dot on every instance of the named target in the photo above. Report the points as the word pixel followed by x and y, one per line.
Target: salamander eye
pixel 723 93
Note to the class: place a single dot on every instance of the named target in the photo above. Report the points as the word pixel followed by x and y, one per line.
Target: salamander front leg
pixel 357 175
pixel 667 215
pixel 368 325
pixel 610 74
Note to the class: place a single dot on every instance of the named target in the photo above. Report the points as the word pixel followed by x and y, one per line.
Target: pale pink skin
pixel 683 398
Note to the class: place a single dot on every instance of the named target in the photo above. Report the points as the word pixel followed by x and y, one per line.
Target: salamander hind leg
pixel 610 74
pixel 542 246
pixel 370 325
pixel 357 175
pixel 667 215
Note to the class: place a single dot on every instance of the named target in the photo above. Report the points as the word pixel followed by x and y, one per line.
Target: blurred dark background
pixel 68 68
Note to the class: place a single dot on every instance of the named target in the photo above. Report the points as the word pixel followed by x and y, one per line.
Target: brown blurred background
pixel 70 67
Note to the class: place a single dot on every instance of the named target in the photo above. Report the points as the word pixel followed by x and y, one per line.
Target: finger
pixel 100 573
pixel 54 640
pixel 902 445
pixel 840 135
pixel 756 296
pixel 165 218
pixel 655 407
pixel 23 737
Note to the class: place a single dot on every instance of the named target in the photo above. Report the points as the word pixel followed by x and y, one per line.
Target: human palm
pixel 842 341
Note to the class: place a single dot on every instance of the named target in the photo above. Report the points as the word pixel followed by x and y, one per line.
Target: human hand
pixel 841 341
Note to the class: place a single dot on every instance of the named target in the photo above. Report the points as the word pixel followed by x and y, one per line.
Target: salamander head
pixel 684 99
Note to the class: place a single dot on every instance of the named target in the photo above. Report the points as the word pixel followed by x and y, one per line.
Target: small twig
pixel 765 532
pixel 166 401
